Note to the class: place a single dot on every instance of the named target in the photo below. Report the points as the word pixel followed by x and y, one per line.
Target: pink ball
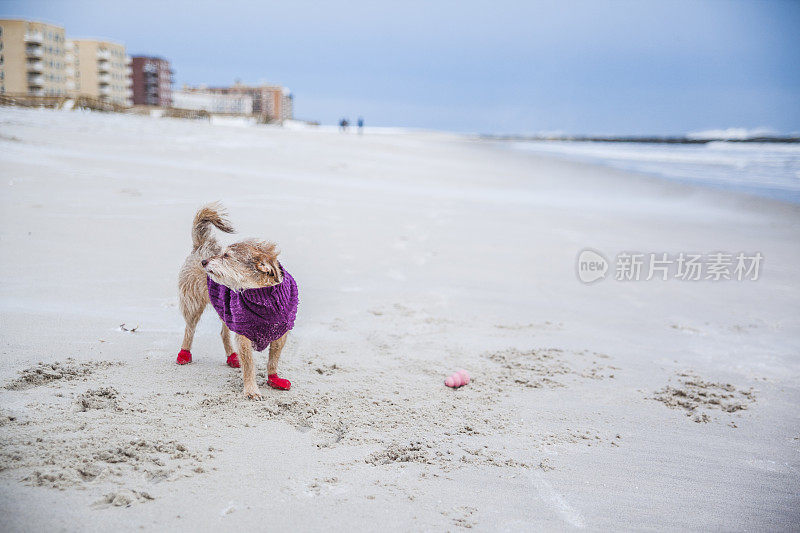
pixel 457 379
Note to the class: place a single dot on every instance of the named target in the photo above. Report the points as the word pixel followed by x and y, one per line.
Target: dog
pixel 250 290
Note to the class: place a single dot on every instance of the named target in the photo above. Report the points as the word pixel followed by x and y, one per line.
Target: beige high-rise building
pixel 32 58
pixel 99 69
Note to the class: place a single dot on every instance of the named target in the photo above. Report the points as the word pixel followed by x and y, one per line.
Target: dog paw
pixel 253 393
pixel 278 383
pixel 184 357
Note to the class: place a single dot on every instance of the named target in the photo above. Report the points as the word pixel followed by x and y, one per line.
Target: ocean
pixel 765 169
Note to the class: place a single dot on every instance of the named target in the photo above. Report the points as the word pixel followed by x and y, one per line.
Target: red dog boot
pixel 184 356
pixel 278 383
pixel 233 360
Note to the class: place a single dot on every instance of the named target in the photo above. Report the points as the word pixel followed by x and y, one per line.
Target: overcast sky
pixel 604 67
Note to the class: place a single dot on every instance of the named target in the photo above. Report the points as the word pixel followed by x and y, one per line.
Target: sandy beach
pixel 615 405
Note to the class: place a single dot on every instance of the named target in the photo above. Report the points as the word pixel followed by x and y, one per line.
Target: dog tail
pixel 208 215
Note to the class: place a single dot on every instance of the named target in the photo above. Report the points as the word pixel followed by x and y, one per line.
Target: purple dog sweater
pixel 262 315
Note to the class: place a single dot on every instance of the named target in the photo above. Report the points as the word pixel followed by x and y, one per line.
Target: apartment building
pixel 287 105
pixel 32 58
pixel 271 103
pixel 98 69
pixel 203 99
pixel 152 81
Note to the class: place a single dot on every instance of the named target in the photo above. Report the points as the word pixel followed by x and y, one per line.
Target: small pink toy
pixel 457 379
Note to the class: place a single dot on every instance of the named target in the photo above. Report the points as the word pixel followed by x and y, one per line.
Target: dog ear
pixel 263 265
pixel 267 248
pixel 264 256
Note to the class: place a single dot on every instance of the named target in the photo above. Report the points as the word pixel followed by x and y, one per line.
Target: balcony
pixel 103 66
pixel 36 92
pixel 104 79
pixel 35 66
pixel 103 55
pixel 34 51
pixel 36 80
pixel 105 90
pixel 34 37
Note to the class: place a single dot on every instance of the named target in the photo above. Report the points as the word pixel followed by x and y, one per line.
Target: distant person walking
pixel 343 124
pixel 360 125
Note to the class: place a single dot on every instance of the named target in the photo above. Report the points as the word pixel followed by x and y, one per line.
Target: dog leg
pixel 188 334
pixel 248 368
pixel 192 316
pixel 275 349
pixel 233 357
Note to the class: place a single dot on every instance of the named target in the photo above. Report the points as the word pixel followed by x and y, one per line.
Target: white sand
pixel 416 254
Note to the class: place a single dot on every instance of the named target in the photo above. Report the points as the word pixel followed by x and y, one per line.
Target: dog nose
pixel 204 262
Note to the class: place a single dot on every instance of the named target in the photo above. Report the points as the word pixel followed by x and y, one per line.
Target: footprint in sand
pixel 693 395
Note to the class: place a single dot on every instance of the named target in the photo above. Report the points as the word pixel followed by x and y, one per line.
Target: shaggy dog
pixel 250 290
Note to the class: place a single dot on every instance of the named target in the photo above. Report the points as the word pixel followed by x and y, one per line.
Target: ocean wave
pixel 765 169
